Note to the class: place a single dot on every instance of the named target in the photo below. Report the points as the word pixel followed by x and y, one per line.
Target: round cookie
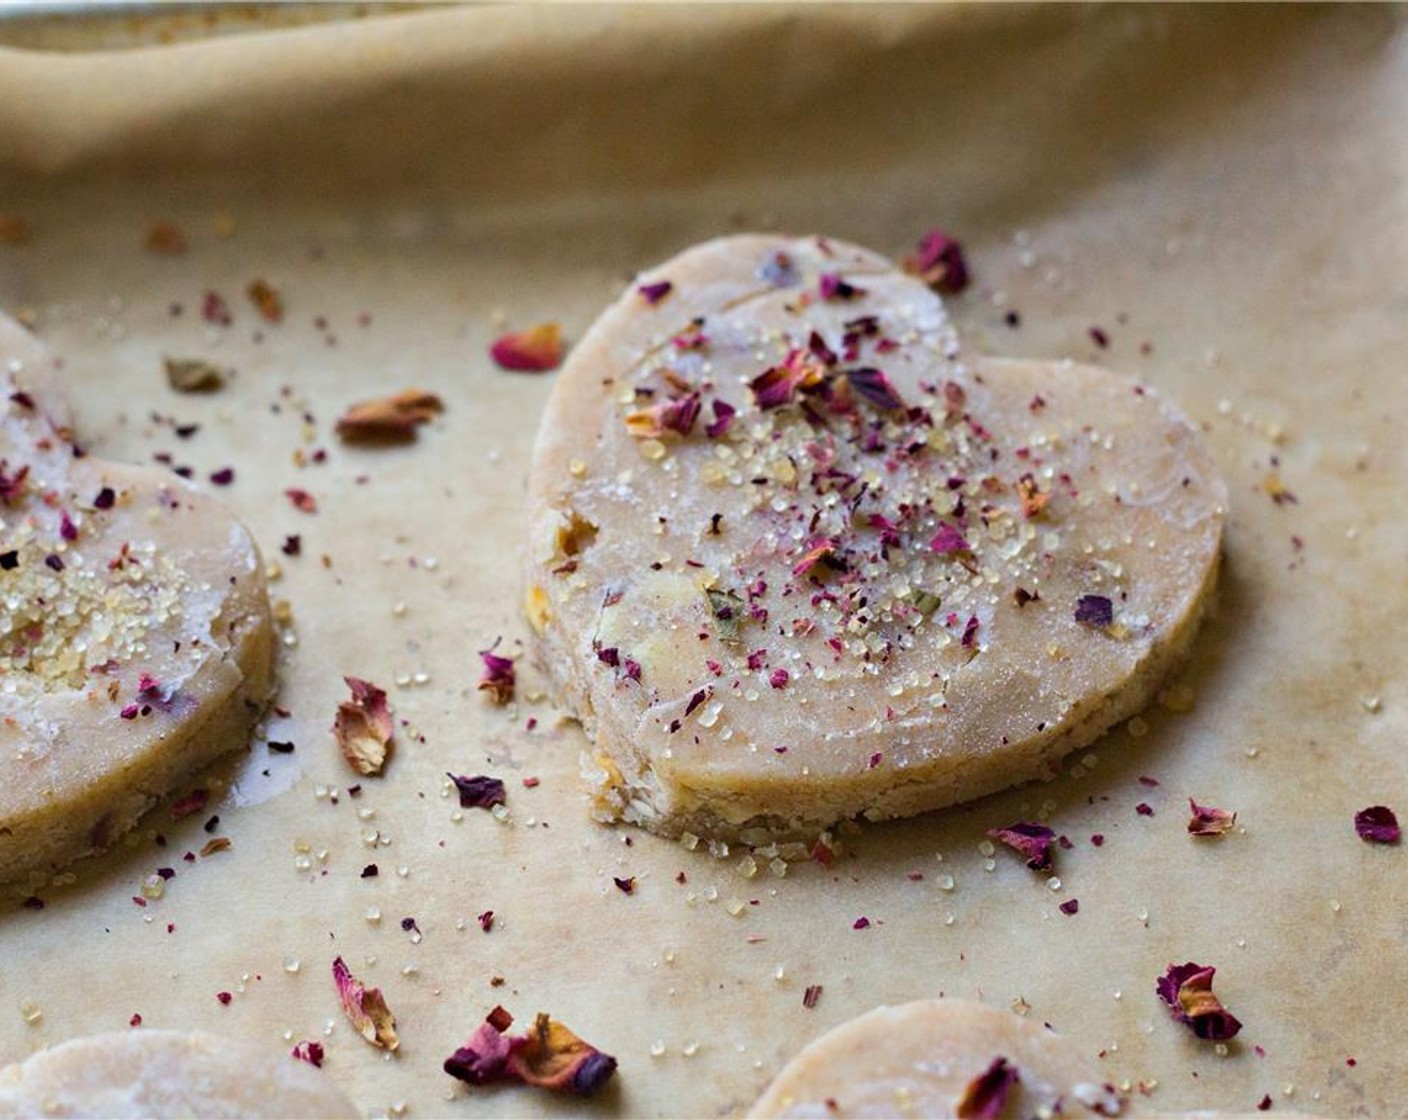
pixel 794 556
pixel 159 1074
pixel 136 641
pixel 940 1058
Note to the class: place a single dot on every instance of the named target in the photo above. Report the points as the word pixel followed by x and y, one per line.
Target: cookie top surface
pixel 165 1073
pixel 800 549
pixel 133 614
pixel 929 1059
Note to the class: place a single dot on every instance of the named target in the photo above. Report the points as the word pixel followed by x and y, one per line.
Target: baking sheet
pixel 1220 190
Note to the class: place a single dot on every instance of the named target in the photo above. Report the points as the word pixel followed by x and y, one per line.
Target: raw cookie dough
pixel 897 577
pixel 919 1059
pixel 136 643
pixel 158 1074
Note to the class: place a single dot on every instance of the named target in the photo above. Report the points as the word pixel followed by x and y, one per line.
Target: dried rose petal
pixel 1187 989
pixel 535 350
pixel 302 500
pixel 985 1096
pixel 309 1051
pixel 667 417
pixel 1377 824
pixel 497 677
pixel 723 417
pixel 214 309
pixel 1032 840
pixel 481 792
pixel 389 418
pixel 938 261
pixel 1095 610
pixel 948 539
pixel 777 385
pixel 875 387
pixel 266 300
pixel 484 1056
pixel 12 486
pixel 772 388
pixel 818 551
pixel 365 1008
pixel 654 293
pixel 692 337
pixel 831 286
pixel 1207 821
pixel 166 239
pixel 363 727
pixel 551 1057
pixel 1033 500
pixel 548 1057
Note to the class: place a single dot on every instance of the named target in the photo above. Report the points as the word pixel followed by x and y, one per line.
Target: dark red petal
pixel 1377 824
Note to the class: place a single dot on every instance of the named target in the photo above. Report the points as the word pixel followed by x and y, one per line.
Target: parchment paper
pixel 1222 191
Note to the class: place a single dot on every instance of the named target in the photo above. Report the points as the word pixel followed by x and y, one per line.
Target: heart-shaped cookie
pixel 136 643
pixel 795 556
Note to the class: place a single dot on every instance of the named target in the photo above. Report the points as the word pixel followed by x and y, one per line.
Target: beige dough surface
pixel 918 1059
pixel 1217 189
pixel 890 676
pixel 165 1075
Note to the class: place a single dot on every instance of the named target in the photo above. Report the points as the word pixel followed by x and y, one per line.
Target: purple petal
pixel 1377 824
pixel 1095 610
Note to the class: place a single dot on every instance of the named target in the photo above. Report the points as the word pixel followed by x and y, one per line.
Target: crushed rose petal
pixel 938 261
pixel 1377 824
pixel 723 417
pixel 214 309
pixel 302 501
pixel 12 486
pixel 875 387
pixel 1187 989
pixel 365 1008
pixel 948 539
pixel 194 375
pixel 830 286
pixel 1207 821
pixel 535 350
pixel 497 676
pixel 669 417
pixel 776 386
pixel 309 1051
pixel 654 293
pixel 363 727
pixel 985 1096
pixel 1095 610
pixel 481 792
pixel 389 418
pixel 1030 839
pixel 549 1056
pixel 266 300
pixel 818 551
